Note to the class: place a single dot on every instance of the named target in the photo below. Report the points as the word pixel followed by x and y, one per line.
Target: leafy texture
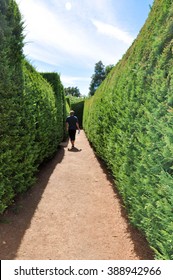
pixel 11 100
pixel 129 121
pixel 32 110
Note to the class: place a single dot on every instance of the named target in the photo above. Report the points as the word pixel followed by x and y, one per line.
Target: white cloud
pixel 113 31
pixel 62 36
pixel 81 82
pixel 71 80
pixel 68 6
pixel 52 30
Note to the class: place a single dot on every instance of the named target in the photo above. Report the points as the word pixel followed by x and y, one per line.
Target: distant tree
pixel 97 78
pixel 74 91
pixel 108 69
pixel 99 75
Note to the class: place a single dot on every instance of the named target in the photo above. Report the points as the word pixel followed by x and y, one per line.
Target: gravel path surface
pixel 72 212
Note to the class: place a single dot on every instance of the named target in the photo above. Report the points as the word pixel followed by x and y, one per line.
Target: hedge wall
pixel 77 104
pixel 44 114
pixel 130 122
pixel 11 100
pixel 54 80
pixel 32 112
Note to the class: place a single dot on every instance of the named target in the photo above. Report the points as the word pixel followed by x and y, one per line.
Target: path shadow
pixel 17 218
pixel 141 246
pixel 74 150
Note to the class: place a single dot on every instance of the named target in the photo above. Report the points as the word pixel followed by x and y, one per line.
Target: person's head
pixel 71 113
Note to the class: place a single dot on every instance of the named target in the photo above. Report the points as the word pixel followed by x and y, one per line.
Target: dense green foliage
pixel 32 111
pixel 77 104
pixel 44 112
pixel 11 99
pixel 97 78
pixel 129 121
pixel 54 80
pixel 100 73
pixel 74 91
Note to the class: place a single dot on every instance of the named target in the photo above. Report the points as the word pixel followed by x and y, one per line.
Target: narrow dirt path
pixel 72 212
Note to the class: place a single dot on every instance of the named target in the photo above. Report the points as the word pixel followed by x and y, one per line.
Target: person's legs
pixel 72 142
pixel 72 134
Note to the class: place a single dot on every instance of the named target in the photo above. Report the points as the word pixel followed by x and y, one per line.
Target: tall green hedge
pixel 32 111
pixel 44 114
pixel 77 104
pixel 130 122
pixel 78 108
pixel 54 80
pixel 11 100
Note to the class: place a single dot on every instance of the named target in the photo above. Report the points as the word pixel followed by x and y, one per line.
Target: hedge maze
pixel 129 121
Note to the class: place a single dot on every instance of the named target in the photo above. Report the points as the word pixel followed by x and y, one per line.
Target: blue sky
pixel 70 36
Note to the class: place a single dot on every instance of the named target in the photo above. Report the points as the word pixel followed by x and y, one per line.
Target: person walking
pixel 72 125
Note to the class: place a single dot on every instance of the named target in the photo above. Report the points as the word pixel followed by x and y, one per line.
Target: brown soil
pixel 72 212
